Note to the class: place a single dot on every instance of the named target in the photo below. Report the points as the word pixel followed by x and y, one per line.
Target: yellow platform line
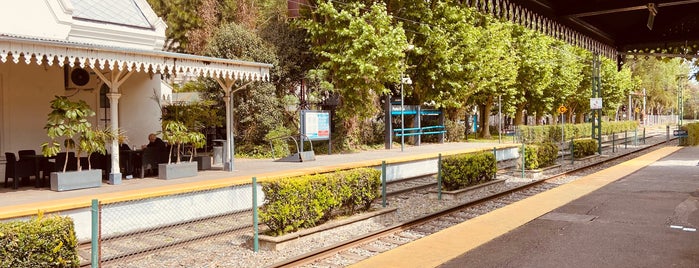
pixel 64 204
pixel 452 242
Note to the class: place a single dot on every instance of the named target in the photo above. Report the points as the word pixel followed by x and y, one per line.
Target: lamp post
pixel 404 79
pixel 680 95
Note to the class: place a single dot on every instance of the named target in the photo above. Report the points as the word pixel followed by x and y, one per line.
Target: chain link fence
pixel 136 227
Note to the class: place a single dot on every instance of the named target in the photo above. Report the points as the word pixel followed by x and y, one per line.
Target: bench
pixel 429 130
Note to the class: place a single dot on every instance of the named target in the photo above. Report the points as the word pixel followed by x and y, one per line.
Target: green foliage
pixel 584 147
pixel 461 171
pixel 69 120
pixel 39 242
pixel 306 201
pixel 361 50
pixel 94 141
pixel 692 134
pixel 177 134
pixel 278 141
pixel 536 134
pixel 540 155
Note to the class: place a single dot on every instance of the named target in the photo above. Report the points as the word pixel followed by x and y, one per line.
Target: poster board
pixel 315 124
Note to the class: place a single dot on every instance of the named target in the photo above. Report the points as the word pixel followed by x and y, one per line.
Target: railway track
pixel 150 242
pixel 365 246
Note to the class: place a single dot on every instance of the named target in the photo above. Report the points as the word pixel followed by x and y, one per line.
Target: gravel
pixel 235 250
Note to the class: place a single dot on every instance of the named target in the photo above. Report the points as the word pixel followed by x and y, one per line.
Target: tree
pixel 493 69
pixel 360 51
pixel 536 62
pixel 258 107
pixel 567 77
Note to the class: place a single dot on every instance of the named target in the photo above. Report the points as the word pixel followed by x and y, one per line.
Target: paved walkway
pixel 27 200
pixel 641 213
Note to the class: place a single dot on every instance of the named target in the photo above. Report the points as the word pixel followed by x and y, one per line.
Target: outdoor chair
pixel 17 169
pixel 61 159
pixel 42 165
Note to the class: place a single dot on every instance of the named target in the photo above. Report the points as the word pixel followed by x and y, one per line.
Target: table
pixel 128 160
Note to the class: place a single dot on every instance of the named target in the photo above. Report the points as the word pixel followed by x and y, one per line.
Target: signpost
pixel 679 133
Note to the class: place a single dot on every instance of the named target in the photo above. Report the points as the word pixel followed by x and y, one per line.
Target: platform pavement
pixel 640 213
pixel 27 200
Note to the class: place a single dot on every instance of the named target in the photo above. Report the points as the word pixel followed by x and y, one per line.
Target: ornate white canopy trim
pixel 27 50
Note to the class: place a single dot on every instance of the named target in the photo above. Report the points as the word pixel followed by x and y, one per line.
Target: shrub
pixel 460 171
pixel 692 134
pixel 306 201
pixel 540 155
pixel 537 134
pixel 39 242
pixel 584 147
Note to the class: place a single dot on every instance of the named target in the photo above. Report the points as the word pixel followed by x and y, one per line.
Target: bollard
pixel 667 134
pixel 383 183
pixel 439 177
pixel 255 220
pixel 95 257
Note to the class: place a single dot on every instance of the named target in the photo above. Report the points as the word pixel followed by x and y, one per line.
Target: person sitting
pixel 122 144
pixel 154 142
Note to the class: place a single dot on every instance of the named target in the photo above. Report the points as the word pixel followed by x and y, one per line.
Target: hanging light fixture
pixel 652 11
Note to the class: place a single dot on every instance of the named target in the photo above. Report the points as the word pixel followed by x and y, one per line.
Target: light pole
pixel 680 93
pixel 403 80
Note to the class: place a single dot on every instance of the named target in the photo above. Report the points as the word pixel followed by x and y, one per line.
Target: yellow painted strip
pixel 9 212
pixel 450 243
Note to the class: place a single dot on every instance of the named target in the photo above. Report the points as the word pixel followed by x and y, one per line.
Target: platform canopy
pixel 609 27
pixel 50 52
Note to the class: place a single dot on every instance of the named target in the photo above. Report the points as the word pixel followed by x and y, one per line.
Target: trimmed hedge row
pixel 537 134
pixel 461 171
pixel 302 202
pixel 584 147
pixel 692 134
pixel 39 242
pixel 540 155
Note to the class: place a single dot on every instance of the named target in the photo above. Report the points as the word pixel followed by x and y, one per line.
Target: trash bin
pixel 218 151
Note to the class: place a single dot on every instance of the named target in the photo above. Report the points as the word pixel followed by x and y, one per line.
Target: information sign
pixel 315 124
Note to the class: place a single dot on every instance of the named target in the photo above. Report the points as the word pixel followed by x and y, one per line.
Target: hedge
pixel 552 133
pixel 460 171
pixel 39 242
pixel 302 202
pixel 584 147
pixel 540 155
pixel 692 134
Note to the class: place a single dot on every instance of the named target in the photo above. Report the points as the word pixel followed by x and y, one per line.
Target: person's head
pixel 151 137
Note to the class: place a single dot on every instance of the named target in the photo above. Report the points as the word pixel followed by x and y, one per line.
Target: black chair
pixel 42 165
pixel 16 169
pixel 61 159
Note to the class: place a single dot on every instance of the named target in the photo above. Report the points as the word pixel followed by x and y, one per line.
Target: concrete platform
pixel 28 200
pixel 641 213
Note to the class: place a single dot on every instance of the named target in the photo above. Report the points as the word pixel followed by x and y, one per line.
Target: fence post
pixel 383 183
pixel 613 141
pixel 667 134
pixel 95 258
pixel 439 177
pixel 495 153
pixel 523 156
pixel 644 135
pixel 635 137
pixel 572 152
pixel 255 220
pixel 626 139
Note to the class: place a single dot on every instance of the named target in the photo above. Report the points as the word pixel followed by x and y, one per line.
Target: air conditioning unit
pixel 80 78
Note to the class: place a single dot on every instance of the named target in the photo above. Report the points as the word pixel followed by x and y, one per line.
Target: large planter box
pixel 487 187
pixel 73 180
pixel 203 162
pixel 293 239
pixel 177 170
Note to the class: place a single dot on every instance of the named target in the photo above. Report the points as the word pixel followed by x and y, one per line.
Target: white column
pixel 115 174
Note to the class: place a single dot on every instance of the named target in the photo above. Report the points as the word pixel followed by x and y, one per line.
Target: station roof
pixel 659 26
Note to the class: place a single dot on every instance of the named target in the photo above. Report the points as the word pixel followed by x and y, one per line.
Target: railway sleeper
pixel 393 241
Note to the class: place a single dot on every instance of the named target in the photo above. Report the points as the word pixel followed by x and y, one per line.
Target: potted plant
pixel 177 135
pixel 68 121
